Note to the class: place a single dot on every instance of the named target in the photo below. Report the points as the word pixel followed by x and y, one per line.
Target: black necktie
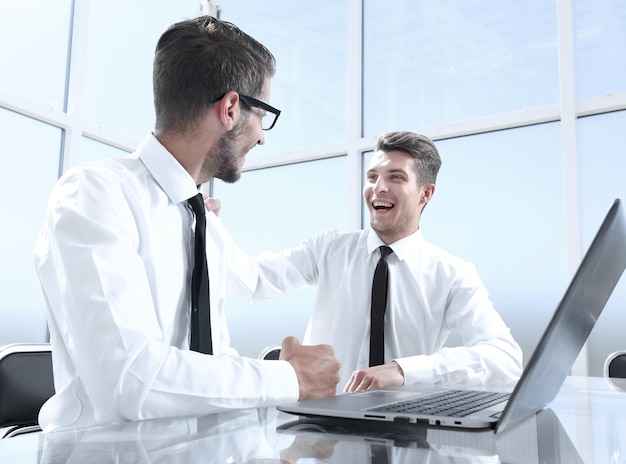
pixel 200 304
pixel 379 305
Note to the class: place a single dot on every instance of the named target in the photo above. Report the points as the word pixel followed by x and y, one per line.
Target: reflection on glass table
pixel 584 424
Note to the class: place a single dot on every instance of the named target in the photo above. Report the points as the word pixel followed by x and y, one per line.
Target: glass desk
pixel 586 423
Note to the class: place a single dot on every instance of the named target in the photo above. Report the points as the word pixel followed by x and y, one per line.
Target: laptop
pixel 541 380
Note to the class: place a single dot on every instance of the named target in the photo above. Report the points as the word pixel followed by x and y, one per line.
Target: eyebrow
pixel 391 171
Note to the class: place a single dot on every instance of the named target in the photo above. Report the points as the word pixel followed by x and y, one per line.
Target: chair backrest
pixel 615 365
pixel 271 353
pixel 26 382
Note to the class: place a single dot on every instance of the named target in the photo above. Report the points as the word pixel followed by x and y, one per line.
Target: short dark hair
pixel 200 59
pixel 420 147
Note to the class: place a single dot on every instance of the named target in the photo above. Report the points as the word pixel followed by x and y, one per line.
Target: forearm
pixel 190 383
pixel 493 363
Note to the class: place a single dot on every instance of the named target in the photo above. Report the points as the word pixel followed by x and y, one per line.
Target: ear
pixel 427 193
pixel 229 110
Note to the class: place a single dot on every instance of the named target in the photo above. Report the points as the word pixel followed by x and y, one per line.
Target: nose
pixel 261 140
pixel 380 185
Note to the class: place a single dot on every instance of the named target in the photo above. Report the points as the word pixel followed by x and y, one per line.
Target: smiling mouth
pixel 381 205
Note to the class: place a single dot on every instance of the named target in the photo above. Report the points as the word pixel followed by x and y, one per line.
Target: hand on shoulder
pixel 213 204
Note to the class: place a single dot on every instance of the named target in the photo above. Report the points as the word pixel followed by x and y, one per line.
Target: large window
pixel 600 44
pixel 431 63
pixel 34 38
pixel 310 43
pixel 601 163
pixel 29 169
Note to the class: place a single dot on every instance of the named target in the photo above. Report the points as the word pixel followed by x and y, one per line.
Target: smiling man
pixel 430 292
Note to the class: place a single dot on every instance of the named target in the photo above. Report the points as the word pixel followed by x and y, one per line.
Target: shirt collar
pixel 401 248
pixel 175 181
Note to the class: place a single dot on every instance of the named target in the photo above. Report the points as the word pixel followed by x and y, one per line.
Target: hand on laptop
pixel 385 375
pixel 316 367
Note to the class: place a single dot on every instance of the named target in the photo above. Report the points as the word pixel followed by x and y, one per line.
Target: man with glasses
pixel 132 337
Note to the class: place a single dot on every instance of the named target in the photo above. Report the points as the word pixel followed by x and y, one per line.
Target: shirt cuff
pixel 282 382
pixel 417 369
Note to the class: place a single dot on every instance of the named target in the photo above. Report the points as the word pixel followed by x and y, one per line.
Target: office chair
pixel 615 370
pixel 26 382
pixel 615 365
pixel 271 353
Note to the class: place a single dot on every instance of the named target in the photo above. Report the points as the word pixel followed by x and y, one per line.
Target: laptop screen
pixel 574 318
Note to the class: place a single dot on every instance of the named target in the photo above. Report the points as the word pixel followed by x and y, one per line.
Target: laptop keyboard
pixel 451 403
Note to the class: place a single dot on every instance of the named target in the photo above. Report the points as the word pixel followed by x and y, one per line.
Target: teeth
pixel 381 204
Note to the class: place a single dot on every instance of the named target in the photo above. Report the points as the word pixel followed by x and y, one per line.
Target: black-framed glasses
pixel 270 114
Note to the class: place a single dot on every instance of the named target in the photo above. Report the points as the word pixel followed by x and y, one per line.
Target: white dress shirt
pixel 114 258
pixel 431 294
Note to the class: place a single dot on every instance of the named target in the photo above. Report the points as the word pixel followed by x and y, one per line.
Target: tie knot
pixel 197 204
pixel 384 251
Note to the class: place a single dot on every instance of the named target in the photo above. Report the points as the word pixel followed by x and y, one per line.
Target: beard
pixel 224 160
